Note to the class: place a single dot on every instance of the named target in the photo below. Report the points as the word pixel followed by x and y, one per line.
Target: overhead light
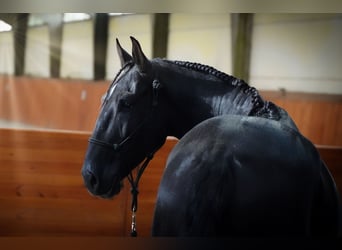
pixel 4 26
pixel 119 14
pixel 72 17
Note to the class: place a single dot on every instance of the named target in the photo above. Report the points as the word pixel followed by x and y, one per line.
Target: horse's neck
pixel 197 96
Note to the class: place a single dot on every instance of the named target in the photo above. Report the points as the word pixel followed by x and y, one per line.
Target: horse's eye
pixel 125 103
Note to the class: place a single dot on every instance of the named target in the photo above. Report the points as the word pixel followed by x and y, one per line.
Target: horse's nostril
pixel 91 179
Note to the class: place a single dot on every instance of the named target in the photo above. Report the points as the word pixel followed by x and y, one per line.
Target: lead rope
pixel 135 192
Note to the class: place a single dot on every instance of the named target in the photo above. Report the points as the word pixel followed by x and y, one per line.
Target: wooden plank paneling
pixel 318 116
pixel 42 191
pixel 74 105
pixel 51 103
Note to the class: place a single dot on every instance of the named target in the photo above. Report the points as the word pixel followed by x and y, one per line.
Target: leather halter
pixel 117 146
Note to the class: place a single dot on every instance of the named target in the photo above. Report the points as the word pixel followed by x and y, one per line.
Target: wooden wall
pixel 51 103
pixel 74 105
pixel 318 116
pixel 42 191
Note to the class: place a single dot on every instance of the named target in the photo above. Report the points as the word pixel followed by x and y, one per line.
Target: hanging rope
pixel 135 192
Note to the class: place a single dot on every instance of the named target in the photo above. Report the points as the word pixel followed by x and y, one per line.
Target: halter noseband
pixel 117 146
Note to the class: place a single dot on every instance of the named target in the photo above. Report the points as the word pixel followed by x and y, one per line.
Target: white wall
pixel 202 38
pixel 37 58
pixel 6 53
pixel 122 27
pixel 77 50
pixel 298 52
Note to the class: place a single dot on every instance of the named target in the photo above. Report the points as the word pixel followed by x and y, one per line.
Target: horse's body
pixel 240 169
pixel 245 177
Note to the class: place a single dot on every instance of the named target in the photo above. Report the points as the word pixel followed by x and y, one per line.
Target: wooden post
pixel 19 32
pixel 160 35
pixel 55 22
pixel 242 27
pixel 101 23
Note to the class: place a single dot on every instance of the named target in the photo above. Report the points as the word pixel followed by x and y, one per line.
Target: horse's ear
pixel 123 54
pixel 139 57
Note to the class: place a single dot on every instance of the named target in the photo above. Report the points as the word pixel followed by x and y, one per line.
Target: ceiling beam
pixel 20 34
pixel 101 25
pixel 160 35
pixel 242 27
pixel 55 24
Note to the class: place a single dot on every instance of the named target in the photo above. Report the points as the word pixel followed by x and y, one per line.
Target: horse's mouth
pixel 112 191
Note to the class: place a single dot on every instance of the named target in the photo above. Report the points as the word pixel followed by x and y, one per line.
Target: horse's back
pixel 238 176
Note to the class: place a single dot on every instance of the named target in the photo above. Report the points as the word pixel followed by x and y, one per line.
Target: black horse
pixel 240 169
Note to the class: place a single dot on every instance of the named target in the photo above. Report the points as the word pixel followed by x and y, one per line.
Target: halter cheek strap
pixel 155 88
pixel 134 183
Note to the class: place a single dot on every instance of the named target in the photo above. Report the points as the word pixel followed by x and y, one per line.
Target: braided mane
pixel 239 83
pixel 208 70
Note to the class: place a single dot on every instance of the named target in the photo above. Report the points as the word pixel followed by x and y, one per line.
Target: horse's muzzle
pixel 96 187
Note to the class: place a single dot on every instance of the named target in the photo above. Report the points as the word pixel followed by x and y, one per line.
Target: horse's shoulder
pixel 231 135
pixel 240 127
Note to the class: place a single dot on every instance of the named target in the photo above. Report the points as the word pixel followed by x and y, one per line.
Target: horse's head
pixel 130 125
